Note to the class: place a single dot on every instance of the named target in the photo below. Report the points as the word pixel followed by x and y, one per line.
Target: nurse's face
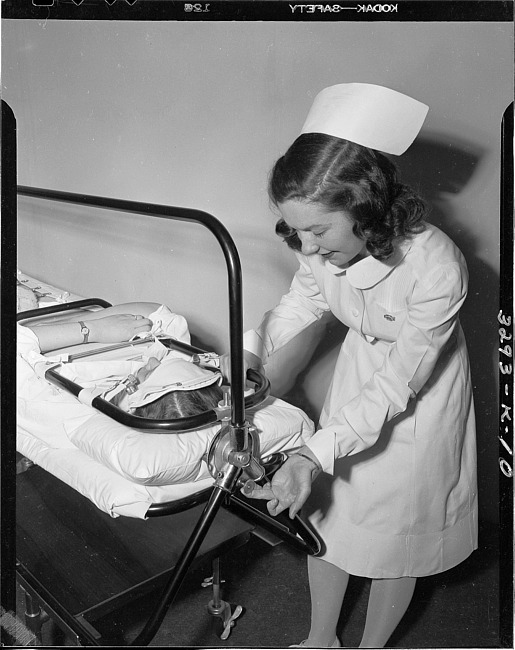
pixel 328 234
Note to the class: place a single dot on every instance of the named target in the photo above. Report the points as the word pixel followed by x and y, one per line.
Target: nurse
pixel 394 456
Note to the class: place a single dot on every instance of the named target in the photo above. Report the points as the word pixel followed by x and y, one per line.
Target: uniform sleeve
pixel 431 321
pixel 301 306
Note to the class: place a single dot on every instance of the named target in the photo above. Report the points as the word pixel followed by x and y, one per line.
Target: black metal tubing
pixel 53 607
pixel 218 494
pixel 166 508
pixel 270 464
pixel 128 419
pixel 233 267
pixel 293 531
pixel 65 306
pixel 158 426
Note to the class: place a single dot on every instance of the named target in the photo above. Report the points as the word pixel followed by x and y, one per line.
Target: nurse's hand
pixel 117 328
pixel 250 360
pixel 290 486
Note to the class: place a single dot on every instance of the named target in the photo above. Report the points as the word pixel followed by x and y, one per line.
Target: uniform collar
pixel 368 272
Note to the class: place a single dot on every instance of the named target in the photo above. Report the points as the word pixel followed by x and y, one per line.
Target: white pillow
pixel 59 420
pixel 165 458
pixel 110 492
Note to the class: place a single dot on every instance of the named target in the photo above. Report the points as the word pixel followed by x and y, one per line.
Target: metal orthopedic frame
pixel 237 454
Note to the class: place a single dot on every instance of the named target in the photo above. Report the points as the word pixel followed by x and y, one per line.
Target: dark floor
pixel 456 609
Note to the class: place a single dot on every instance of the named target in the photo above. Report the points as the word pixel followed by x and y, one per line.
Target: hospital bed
pixel 82 558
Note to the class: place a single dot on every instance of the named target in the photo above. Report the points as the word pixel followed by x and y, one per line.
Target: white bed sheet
pixel 123 470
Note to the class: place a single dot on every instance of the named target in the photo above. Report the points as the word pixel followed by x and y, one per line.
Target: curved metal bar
pixel 179 505
pixel 262 388
pixel 65 306
pixel 231 257
pixel 270 464
pixel 294 531
pixel 189 423
pixel 218 495
pixel 158 426
pixel 136 422
pixel 301 534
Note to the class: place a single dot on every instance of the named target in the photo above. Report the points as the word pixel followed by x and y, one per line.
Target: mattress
pixel 120 469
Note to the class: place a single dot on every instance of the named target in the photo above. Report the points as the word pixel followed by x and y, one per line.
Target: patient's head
pixel 182 403
pixel 175 388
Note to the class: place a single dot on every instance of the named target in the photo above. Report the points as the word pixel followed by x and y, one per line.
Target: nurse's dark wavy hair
pixel 341 175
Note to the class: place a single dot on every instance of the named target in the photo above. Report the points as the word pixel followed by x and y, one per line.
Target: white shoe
pixel 302 644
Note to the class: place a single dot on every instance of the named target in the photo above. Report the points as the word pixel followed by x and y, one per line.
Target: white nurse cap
pixel 172 375
pixel 369 115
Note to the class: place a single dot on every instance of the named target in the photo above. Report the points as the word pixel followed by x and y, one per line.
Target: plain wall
pixel 194 114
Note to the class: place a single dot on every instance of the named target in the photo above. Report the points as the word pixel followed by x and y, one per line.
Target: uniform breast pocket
pixel 385 323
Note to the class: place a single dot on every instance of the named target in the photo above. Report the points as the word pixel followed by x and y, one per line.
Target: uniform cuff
pixel 252 342
pixel 322 444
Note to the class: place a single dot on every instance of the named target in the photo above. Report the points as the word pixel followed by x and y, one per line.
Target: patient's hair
pixel 341 175
pixel 182 403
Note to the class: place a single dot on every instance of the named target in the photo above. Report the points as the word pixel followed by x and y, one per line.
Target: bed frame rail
pixel 227 481
pixel 231 258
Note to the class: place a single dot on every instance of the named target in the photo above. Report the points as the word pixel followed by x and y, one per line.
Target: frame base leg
pixel 34 618
pixel 220 608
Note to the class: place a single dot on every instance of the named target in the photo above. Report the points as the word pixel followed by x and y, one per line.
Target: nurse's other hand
pixel 290 486
pixel 250 360
pixel 117 328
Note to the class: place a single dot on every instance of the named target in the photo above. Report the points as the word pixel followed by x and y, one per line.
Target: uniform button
pixel 355 312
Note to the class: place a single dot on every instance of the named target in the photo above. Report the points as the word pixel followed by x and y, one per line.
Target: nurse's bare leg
pixel 387 604
pixel 327 585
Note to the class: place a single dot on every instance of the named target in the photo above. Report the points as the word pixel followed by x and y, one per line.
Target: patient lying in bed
pixel 166 387
pixel 76 442
pixel 163 388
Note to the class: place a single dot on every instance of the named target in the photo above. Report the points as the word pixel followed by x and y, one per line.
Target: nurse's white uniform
pixel 398 495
